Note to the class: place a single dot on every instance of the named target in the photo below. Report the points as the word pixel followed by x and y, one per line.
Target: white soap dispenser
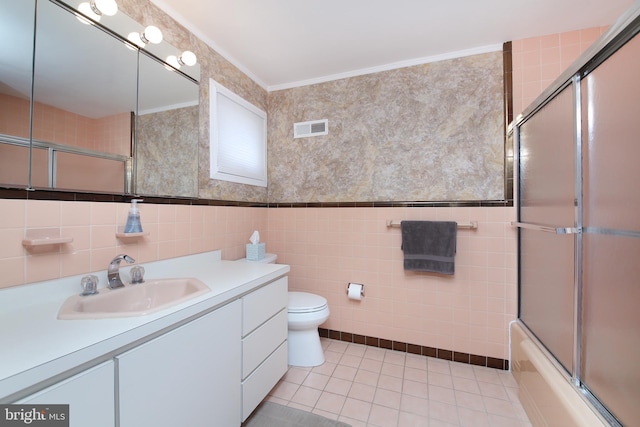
pixel 133 220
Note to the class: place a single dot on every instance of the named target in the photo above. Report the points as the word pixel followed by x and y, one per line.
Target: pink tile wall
pixel 326 248
pixel 174 230
pixel 538 61
pixel 469 312
pixel 111 134
pixel 14 115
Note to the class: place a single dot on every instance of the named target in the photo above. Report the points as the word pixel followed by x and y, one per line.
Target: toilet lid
pixel 304 302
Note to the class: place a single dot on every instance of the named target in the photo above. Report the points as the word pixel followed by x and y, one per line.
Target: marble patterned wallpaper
pixel 167 153
pixel 431 132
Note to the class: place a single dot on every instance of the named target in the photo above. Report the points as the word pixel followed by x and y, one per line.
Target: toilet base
pixel 305 349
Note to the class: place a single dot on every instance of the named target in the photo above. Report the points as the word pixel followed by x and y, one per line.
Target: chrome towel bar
pixel 473 225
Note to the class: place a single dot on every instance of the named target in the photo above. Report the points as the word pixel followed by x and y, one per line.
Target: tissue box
pixel 255 252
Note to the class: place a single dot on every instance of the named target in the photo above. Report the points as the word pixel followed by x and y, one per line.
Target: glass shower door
pixel 611 238
pixel 547 206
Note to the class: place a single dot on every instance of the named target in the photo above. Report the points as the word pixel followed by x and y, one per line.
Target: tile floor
pixel 372 387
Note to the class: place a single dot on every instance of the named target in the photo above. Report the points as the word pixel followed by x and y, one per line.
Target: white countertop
pixel 35 345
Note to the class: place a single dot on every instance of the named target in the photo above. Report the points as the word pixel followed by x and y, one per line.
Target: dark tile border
pixel 398 204
pixel 44 194
pixel 507 68
pixel 454 356
pixel 72 196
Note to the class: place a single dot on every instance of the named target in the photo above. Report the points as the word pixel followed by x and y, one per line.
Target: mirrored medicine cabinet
pixel 83 109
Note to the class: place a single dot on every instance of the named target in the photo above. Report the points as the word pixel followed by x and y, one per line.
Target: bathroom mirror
pixel 166 155
pixel 88 95
pixel 16 45
pixel 85 84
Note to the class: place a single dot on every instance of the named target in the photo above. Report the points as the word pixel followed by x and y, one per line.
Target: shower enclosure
pixel 579 222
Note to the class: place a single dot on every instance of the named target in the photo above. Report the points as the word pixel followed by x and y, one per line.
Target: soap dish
pixel 47 241
pixel 45 236
pixel 140 234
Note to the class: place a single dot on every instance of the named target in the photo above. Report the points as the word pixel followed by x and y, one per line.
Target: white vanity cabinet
pixel 264 342
pixel 208 363
pixel 89 394
pixel 186 377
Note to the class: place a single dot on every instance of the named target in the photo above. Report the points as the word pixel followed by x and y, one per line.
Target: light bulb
pixel 104 7
pixel 151 34
pixel 85 9
pixel 173 61
pixel 188 58
pixel 135 39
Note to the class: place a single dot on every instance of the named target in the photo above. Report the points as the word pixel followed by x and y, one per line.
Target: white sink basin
pixel 132 300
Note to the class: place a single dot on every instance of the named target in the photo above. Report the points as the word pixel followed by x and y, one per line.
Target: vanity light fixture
pixel 187 58
pixel 151 34
pixel 104 7
pixel 96 8
pixel 86 10
pixel 135 39
pixel 173 61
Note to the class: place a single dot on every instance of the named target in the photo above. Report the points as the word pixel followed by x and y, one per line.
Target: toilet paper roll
pixel 354 291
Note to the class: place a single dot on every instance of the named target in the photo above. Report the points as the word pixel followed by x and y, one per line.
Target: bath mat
pixel 270 414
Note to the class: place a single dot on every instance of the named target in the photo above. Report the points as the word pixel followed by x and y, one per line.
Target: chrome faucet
pixel 113 272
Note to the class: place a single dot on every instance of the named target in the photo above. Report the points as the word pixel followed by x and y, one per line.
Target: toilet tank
pixel 268 259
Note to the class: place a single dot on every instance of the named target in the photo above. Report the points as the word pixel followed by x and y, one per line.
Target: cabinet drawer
pixel 261 342
pixel 260 305
pixel 262 380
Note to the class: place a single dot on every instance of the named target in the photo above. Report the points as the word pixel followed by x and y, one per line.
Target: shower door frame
pixel 627 27
pixel 573 229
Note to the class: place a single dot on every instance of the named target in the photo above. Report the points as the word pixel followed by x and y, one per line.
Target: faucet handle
pixel 137 274
pixel 89 285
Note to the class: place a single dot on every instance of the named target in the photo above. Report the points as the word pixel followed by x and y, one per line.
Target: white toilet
pixel 306 311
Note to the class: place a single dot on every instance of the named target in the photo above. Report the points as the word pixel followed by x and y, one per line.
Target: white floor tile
pixel 372 387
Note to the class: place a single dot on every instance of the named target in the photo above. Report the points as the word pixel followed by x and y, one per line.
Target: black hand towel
pixel 429 245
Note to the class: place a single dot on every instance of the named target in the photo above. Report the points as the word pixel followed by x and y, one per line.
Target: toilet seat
pixel 304 302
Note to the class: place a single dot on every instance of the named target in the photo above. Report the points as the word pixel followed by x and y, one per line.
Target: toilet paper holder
pixel 358 284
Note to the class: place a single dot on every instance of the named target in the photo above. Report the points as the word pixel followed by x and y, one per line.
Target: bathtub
pixel 546 393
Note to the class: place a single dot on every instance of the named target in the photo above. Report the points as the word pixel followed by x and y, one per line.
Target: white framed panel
pixel 238 138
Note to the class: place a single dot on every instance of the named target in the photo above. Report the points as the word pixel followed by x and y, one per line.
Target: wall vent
pixel 312 128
